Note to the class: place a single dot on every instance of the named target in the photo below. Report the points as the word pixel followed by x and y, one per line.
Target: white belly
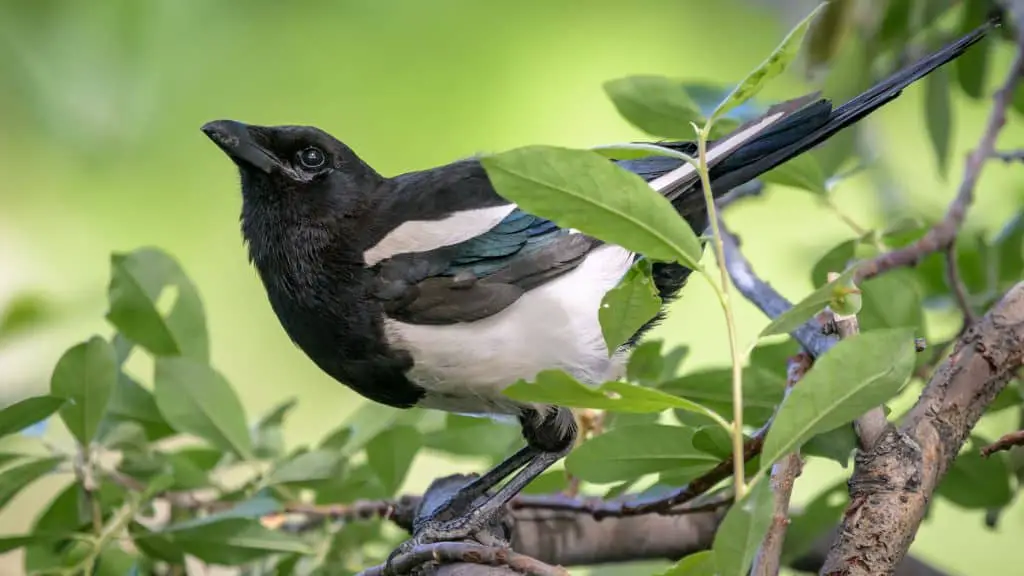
pixel 464 367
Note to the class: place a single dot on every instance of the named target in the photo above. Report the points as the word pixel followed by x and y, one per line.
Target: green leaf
pixel 826 33
pixel 557 387
pixel 808 307
pixel 645 364
pixel 655 104
pixel 234 541
pixel 802 172
pixel 629 452
pixel 939 112
pixel 85 375
pixel 807 526
pixel 137 282
pixel 65 513
pixel 155 544
pixel 8 543
pixel 548 483
pixel 390 455
pixel 1009 244
pixel 775 64
pixel 697 564
pixel 268 439
pixel 714 440
pixel 972 67
pixel 191 467
pixel 130 402
pixel 16 478
pixel 23 312
pixel 26 412
pixel 472 436
pixel 366 422
pixel 579 189
pixel 627 307
pixel 976 482
pixel 194 398
pixel 742 531
pixel 835 445
pixel 762 391
pixel 859 373
pixel 892 300
pixel 308 467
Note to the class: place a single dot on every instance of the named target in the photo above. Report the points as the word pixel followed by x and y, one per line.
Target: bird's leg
pixel 549 437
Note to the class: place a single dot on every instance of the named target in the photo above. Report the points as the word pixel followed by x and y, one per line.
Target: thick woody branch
pixel 893 483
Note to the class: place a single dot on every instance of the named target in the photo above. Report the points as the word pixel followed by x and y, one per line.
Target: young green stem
pixel 734 351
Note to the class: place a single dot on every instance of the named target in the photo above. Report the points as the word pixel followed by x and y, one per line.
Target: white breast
pixel 464 367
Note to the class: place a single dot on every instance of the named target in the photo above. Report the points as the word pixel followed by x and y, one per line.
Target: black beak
pixel 235 139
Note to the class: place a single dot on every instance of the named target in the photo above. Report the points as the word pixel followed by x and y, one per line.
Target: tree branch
pixel 1004 443
pixel 784 474
pixel 893 483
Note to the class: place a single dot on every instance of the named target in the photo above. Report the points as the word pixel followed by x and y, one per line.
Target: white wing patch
pixel 464 367
pixel 424 235
pixel 681 177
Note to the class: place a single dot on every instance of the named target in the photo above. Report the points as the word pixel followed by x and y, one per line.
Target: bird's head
pixel 300 170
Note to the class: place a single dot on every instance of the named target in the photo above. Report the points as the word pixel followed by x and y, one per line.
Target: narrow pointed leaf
pixel 697 564
pixel 629 452
pixel 580 189
pixel 235 541
pixel 627 307
pixel 137 281
pixel 557 387
pixel 807 308
pixel 194 398
pixel 858 374
pixel 86 376
pixel 775 64
pixel 971 68
pixel 308 467
pixel 939 112
pixel 16 478
pixel 802 172
pixel 26 412
pixel 742 531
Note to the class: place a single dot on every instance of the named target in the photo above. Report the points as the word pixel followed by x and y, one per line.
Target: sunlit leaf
pixel 130 402
pixel 23 312
pixel 85 375
pixel 557 387
pixel 627 307
pixel 657 105
pixel 138 281
pixel 742 531
pixel 196 399
pixel 697 564
pixel 473 436
pixel 307 467
pixel 891 300
pixel 775 64
pixel 632 451
pixel 579 189
pixel 808 307
pixel 859 373
pixel 28 411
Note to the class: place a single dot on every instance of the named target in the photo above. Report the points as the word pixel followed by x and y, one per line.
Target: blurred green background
pixel 100 150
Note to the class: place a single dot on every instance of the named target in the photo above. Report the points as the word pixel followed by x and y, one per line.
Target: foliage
pixel 185 432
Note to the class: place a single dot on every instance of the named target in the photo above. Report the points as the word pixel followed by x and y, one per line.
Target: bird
pixel 429 289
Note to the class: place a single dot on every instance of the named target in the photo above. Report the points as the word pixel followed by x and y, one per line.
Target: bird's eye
pixel 312 157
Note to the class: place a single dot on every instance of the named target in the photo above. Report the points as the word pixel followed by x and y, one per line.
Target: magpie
pixel 429 289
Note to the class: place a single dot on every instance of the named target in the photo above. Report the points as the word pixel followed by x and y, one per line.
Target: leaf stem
pixel 730 320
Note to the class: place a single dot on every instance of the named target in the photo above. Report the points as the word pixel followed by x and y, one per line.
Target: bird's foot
pixel 484 525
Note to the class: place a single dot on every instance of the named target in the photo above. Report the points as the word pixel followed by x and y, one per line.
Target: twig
pixel 1005 443
pixel 956 284
pixel 784 473
pixel 943 234
pixel 1009 156
pixel 453 552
